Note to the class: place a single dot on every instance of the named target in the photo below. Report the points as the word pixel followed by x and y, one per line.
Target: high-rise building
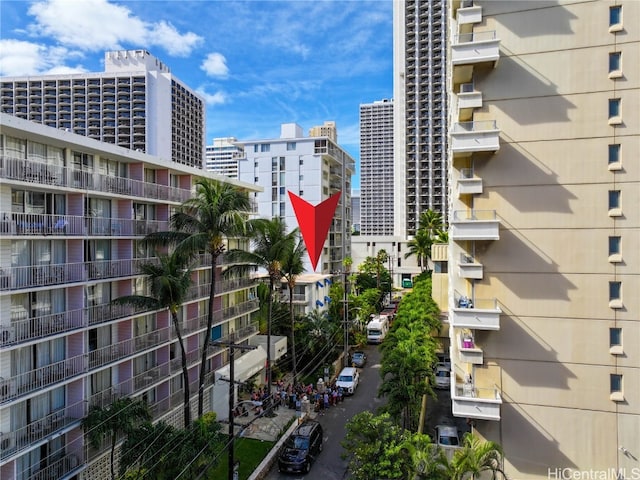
pixel 420 103
pixel 328 129
pixel 544 252
pixel 376 168
pixel 355 211
pixel 222 157
pixel 73 217
pixel 135 103
pixel 314 168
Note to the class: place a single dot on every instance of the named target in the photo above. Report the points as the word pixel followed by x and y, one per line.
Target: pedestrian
pixel 325 399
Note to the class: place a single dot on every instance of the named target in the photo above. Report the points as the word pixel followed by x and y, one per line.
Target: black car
pixel 358 359
pixel 301 448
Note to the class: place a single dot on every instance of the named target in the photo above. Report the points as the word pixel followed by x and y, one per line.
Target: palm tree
pixel 270 241
pixel 431 222
pixel 420 246
pixel 381 258
pixel 477 456
pixel 292 266
pixel 119 418
pixel 203 224
pixel 169 282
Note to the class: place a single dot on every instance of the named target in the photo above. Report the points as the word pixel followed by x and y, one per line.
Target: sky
pixel 258 64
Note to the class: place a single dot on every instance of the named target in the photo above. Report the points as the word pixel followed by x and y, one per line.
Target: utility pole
pixel 345 308
pixel 232 352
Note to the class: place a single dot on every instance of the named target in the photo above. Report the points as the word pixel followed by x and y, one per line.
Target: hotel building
pixel 222 157
pixel 135 103
pixel 376 168
pixel 314 168
pixel 420 118
pixel 544 253
pixel 74 213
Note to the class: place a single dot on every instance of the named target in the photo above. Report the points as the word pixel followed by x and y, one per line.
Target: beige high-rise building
pixel 544 254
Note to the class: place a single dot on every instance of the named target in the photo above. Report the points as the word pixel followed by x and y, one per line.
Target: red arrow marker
pixel 314 222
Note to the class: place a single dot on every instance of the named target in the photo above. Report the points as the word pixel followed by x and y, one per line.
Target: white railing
pixel 473 37
pixel 474 126
pixel 471 215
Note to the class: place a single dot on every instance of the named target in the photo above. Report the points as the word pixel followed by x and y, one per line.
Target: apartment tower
pixel 376 168
pixel 221 158
pixel 135 103
pixel 420 103
pixel 313 168
pixel 544 253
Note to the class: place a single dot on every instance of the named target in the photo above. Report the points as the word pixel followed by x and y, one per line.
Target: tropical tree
pixel 203 223
pixel 430 222
pixel 430 230
pixel 420 247
pixel 292 266
pixel 119 418
pixel 270 242
pixel 169 282
pixel 475 457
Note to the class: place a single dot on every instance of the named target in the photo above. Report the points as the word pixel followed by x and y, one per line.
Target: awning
pixel 245 366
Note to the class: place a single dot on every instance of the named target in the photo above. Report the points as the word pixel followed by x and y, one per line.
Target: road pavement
pixel 329 465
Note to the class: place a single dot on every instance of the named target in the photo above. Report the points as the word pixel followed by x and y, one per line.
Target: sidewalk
pixel 263 427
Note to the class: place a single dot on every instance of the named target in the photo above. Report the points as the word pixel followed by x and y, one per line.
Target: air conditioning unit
pixel 7 441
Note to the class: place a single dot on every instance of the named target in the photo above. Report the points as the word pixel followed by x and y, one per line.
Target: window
pixel 291 145
pixel 615 294
pixel 615 337
pixel 615 387
pixel 615 341
pixel 265 147
pixel 614 249
pixel 614 111
pixel 301 177
pixel 301 162
pixel 256 148
pixel 615 61
pixel 614 153
pixel 614 199
pixel 615 16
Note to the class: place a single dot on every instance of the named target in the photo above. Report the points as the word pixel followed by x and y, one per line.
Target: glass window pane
pixel 616 383
pixel 615 337
pixel 614 153
pixel 614 290
pixel 614 61
pixel 614 245
pixel 614 107
pixel 615 15
pixel 614 199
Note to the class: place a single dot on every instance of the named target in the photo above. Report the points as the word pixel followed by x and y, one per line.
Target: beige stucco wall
pixel 550 269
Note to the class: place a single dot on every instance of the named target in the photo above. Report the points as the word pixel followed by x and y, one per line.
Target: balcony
pixel 468 14
pixel 468 401
pixel 468 184
pixel 475 48
pixel 478 314
pixel 23 329
pixel 478 136
pixel 39 378
pixel 475 225
pixel 469 268
pixel 37 430
pixel 468 100
pixel 468 349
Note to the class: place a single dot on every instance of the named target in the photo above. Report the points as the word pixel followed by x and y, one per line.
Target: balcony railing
pixel 58 469
pixel 475 225
pixel 468 267
pixel 39 429
pixel 27 382
pixel 468 350
pixel 475 136
pixel 27 329
pixel 479 314
pixel 471 402
pixel 475 47
pixel 48 174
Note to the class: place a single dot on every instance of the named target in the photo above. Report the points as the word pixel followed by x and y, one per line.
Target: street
pixel 329 465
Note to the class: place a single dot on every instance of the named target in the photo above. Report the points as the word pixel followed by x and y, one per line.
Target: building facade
pixel 74 213
pixel 420 103
pixel 544 253
pixel 314 168
pixel 221 158
pixel 376 168
pixel 135 103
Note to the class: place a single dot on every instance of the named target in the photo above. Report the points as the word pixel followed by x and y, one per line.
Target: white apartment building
pixel 376 168
pixel 420 118
pixel 314 168
pixel 74 212
pixel 222 157
pixel 135 103
pixel 544 252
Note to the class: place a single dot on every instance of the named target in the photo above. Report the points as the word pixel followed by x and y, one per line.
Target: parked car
pixel 348 380
pixel 358 359
pixel 301 448
pixel 444 359
pixel 443 377
pixel 447 436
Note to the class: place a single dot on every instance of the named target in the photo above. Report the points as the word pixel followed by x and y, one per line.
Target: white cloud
pixel 215 65
pixel 94 25
pixel 217 98
pixel 26 58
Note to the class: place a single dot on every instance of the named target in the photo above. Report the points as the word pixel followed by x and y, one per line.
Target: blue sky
pixel 258 63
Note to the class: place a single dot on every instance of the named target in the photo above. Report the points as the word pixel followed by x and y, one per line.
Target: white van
pixel 377 329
